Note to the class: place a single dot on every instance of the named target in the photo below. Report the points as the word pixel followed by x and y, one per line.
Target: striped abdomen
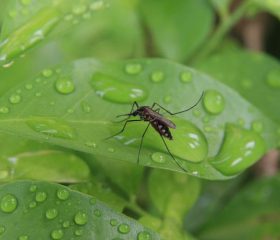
pixel 162 129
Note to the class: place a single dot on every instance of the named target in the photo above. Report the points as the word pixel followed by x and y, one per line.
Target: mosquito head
pixel 138 111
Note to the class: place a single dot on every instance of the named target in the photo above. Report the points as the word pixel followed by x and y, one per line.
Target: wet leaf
pixel 44 211
pixel 75 105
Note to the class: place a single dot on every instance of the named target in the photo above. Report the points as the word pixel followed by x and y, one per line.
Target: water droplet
pixel 79 232
pixel 123 228
pixel 66 224
pixel 90 144
pixel 246 83
pixel 68 17
pixel 28 86
pixel 38 94
pixel 47 73
pixel 62 194
pixel 97 213
pixel 257 126
pixel 158 157
pixel 114 222
pixel 213 102
pixel 64 85
pixel 23 237
pixel 273 78
pixel 86 107
pixel 111 150
pixel 57 234
pixel 133 68
pixel 92 201
pixel 97 5
pixel 144 236
pixel 70 110
pixel 4 110
pixel 239 150
pixel 8 64
pixel 38 80
pixel 33 188
pixel 8 203
pixel 40 196
pixel 2 229
pixel 81 218
pixel 167 99
pixel 26 2
pixel 51 127
pixel 157 76
pixel 115 90
pixel 15 98
pixel 186 77
pixel 32 204
pixel 196 113
pixel 79 9
pixel 51 213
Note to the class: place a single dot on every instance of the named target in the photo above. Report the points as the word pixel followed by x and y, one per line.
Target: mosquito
pixel 155 119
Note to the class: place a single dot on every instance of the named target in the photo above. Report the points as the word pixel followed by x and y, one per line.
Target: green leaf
pixel 28 23
pixel 251 214
pixel 256 76
pixel 75 105
pixel 178 27
pixel 43 211
pixel 176 197
pixel 222 6
pixel 23 159
pixel 272 6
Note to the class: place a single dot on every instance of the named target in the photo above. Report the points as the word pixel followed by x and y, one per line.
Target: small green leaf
pixel 40 212
pixel 178 27
pixel 251 214
pixel 85 117
pixel 23 159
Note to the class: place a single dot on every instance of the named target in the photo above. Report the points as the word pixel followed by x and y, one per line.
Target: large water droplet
pixel 8 203
pixel 64 85
pixel 57 234
pixel 213 102
pixel 81 218
pixel 273 78
pixel 51 127
pixel 144 236
pixel 62 194
pixel 158 157
pixel 123 228
pixel 51 213
pixel 186 77
pixel 240 149
pixel 115 90
pixel 133 68
pixel 40 196
pixel 157 76
pixel 15 98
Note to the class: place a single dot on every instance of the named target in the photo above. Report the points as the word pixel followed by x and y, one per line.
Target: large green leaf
pixel 29 22
pixel 75 105
pixel 256 76
pixel 23 159
pixel 177 27
pixel 254 214
pixel 48 211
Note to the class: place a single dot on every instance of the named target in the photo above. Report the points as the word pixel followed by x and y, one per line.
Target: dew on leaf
pixel 97 5
pixel 64 85
pixel 8 203
pixel 15 98
pixel 144 235
pixel 133 68
pixel 33 188
pixel 2 229
pixel 186 77
pixel 157 76
pixel 51 213
pixel 97 212
pixel 57 234
pixel 257 126
pixel 66 224
pixel 47 72
pixel 86 107
pixel 28 86
pixel 32 204
pixel 90 144
pixel 158 157
pixel 239 150
pixel 23 237
pixel 92 201
pixel 4 110
pixel 62 194
pixel 79 9
pixel 123 228
pixel 111 150
pixel 38 94
pixel 81 218
pixel 40 196
pixel 115 90
pixel 213 102
pixel 114 222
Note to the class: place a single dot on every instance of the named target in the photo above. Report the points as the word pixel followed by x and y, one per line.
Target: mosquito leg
pixel 134 104
pixel 127 121
pixel 156 104
pixel 178 164
pixel 143 135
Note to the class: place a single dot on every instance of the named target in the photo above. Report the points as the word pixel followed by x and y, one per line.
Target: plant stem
pixel 221 31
